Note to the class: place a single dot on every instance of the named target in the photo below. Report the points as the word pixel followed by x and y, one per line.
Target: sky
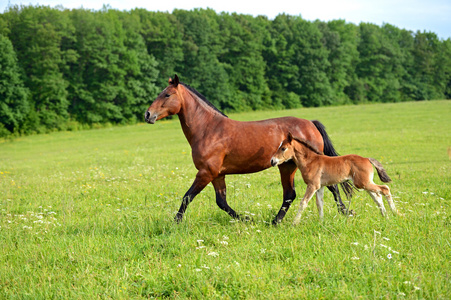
pixel 423 15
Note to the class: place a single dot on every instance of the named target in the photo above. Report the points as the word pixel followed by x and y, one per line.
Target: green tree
pixel 162 34
pixel 244 62
pixel 37 34
pixel 201 67
pixel 340 39
pixel 379 66
pixel 113 77
pixel 282 72
pixel 311 58
pixel 14 104
pixel 431 66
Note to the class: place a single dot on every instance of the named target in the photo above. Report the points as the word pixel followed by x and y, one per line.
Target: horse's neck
pixel 195 117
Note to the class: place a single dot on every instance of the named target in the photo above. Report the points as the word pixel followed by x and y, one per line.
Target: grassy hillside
pixel 89 215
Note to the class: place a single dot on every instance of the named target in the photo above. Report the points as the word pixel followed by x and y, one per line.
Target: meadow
pixel 89 215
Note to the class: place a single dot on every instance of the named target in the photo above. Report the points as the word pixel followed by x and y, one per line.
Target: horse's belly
pixel 236 165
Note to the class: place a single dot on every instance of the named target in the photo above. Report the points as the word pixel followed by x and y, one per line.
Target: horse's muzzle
pixel 150 118
pixel 274 161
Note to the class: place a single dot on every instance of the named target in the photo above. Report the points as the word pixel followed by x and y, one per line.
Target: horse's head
pixel 285 151
pixel 169 102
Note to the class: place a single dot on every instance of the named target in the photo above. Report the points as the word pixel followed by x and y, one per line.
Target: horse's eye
pixel 167 95
pixel 284 149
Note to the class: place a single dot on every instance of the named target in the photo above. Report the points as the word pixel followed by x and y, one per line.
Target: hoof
pixel 352 213
pixel 245 219
pixel 178 218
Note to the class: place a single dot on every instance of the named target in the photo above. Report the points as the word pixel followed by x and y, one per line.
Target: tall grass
pixel 89 214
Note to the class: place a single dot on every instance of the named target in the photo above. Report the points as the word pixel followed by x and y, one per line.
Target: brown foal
pixel 319 171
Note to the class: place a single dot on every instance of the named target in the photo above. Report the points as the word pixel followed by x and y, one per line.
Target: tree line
pixel 61 69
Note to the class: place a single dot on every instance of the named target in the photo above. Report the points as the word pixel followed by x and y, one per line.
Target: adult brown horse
pixel 221 146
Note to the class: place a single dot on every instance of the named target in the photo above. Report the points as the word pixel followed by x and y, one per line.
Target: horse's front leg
pixel 311 189
pixel 287 172
pixel 220 190
pixel 202 179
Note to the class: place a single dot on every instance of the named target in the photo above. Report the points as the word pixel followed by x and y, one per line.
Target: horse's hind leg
pixel 287 172
pixel 336 192
pixel 220 189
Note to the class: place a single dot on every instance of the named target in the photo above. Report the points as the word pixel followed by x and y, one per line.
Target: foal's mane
pixel 202 97
pixel 308 145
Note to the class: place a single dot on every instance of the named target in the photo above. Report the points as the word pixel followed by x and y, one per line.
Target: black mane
pixel 202 97
pixel 308 145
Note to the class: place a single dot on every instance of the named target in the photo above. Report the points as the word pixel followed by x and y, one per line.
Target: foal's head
pixel 285 151
pixel 168 103
pixel 289 147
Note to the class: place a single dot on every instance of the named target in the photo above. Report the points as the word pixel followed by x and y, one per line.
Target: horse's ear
pixel 175 82
pixel 289 137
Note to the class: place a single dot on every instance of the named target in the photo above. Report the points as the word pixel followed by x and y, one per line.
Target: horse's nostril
pixel 147 115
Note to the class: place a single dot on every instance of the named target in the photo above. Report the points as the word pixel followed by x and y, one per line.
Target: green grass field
pixel 89 214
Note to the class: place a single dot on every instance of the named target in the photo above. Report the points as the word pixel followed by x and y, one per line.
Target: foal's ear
pixel 289 137
pixel 175 82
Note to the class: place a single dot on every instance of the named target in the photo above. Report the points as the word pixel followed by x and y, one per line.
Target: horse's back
pixel 298 127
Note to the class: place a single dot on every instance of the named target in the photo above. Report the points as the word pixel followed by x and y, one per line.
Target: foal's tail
pixel 380 170
pixel 329 150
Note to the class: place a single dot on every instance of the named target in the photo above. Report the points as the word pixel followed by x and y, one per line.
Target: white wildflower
pixel 355 243
pixel 214 254
pixel 389 256
pixel 225 243
pixel 355 258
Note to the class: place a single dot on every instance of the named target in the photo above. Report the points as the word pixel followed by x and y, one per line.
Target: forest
pixel 64 69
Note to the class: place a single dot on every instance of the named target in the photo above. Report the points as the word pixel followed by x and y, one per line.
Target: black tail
pixel 329 150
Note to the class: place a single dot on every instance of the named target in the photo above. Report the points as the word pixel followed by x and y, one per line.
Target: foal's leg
pixel 287 172
pixel 320 202
pixel 202 179
pixel 220 189
pixel 308 195
pixel 378 200
pixel 386 192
